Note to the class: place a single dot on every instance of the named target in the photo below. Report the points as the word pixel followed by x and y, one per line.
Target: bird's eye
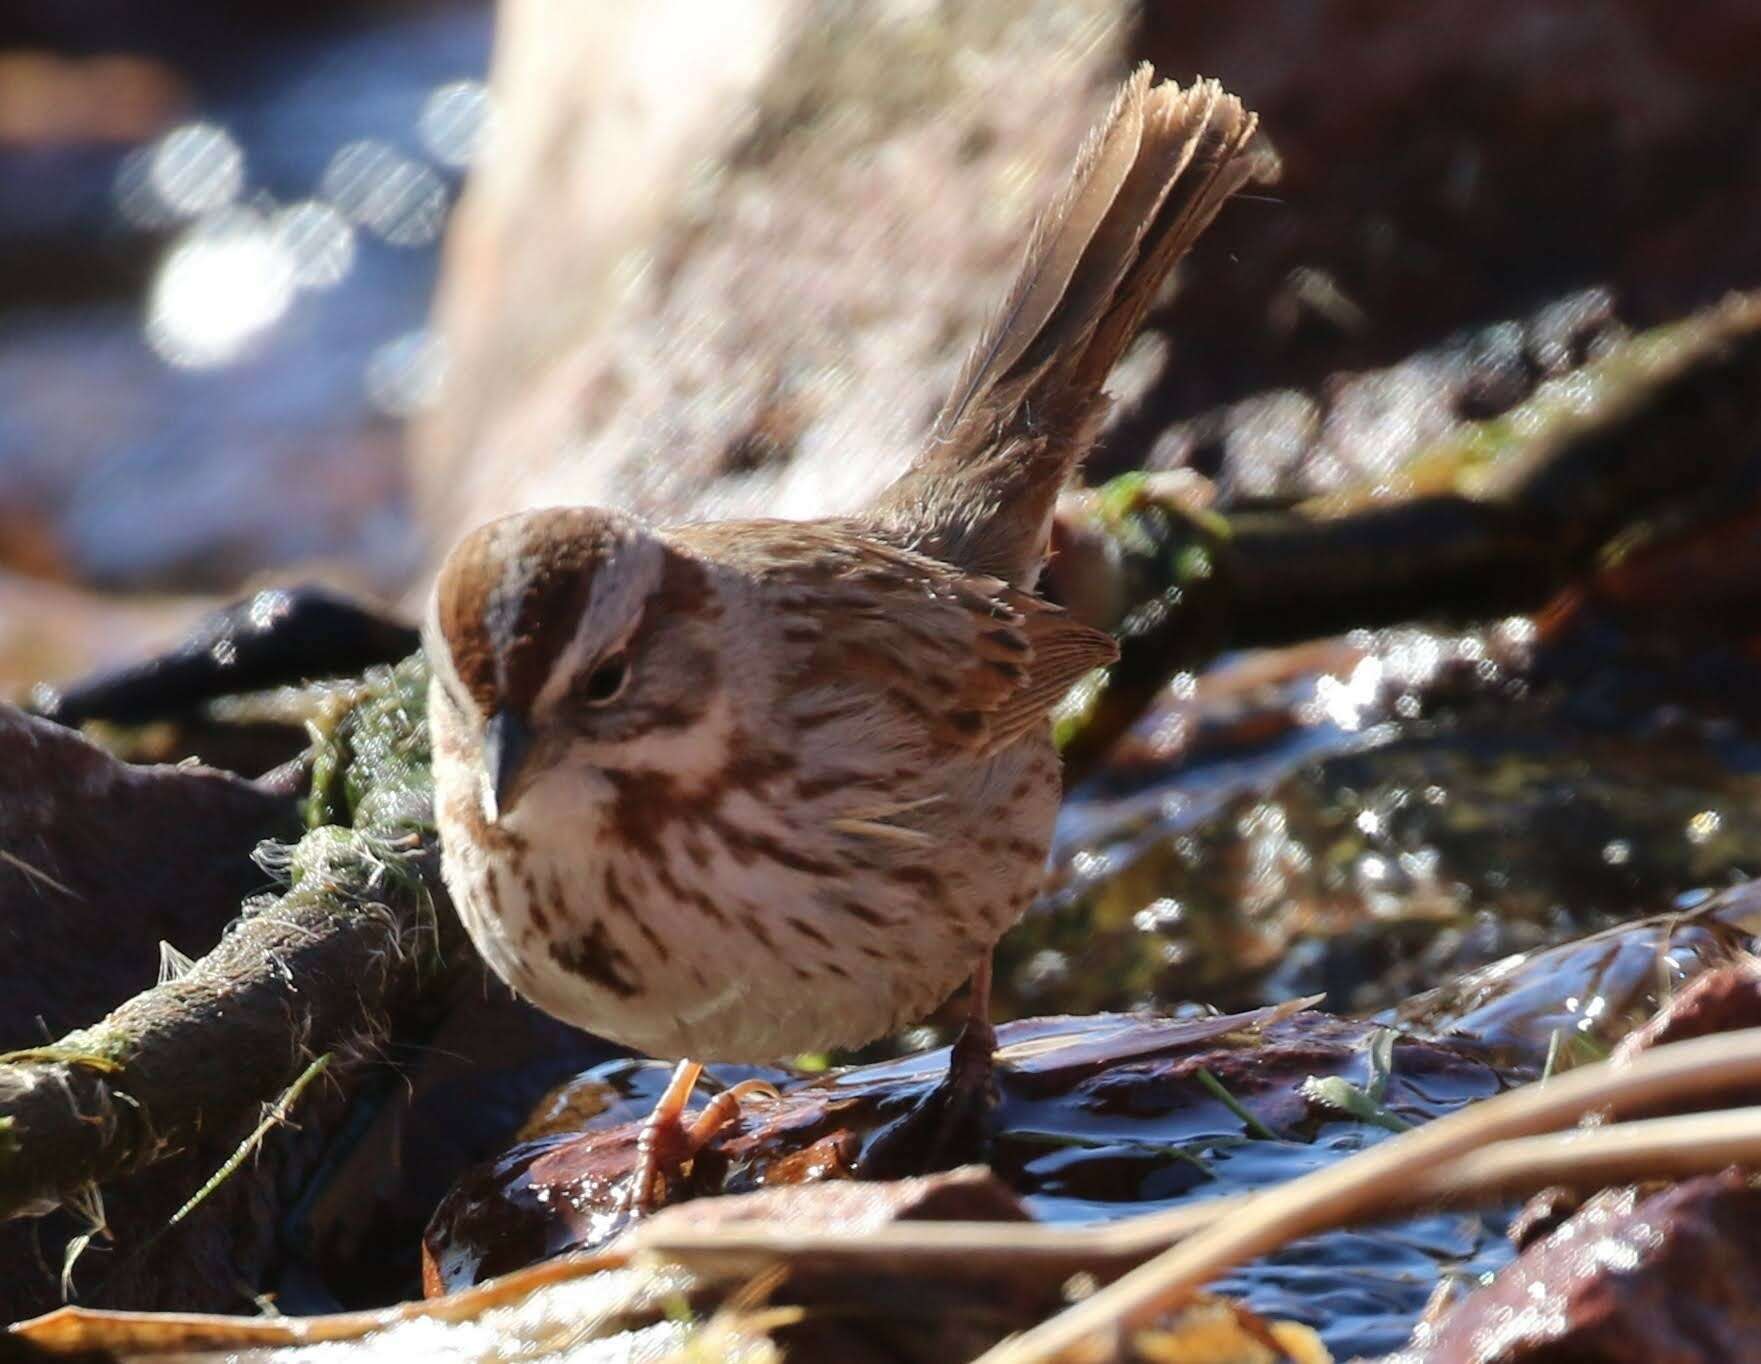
pixel 606 681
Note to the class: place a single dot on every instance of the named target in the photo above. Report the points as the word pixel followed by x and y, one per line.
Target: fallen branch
pixel 322 967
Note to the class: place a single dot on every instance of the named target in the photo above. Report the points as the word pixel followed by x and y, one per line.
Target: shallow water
pixel 208 385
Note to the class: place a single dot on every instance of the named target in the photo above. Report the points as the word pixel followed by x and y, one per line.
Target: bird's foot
pixel 948 1126
pixel 668 1142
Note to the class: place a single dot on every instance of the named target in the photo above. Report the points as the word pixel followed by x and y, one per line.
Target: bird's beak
pixel 506 742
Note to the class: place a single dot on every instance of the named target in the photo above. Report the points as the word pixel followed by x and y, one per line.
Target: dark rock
pixel 277 637
pixel 1669 1278
pixel 100 862
pixel 1719 1001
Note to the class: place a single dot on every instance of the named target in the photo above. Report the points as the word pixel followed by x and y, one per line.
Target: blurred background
pixel 219 238
pixel 728 258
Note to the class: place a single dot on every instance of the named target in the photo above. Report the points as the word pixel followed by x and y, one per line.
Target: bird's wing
pixel 974 661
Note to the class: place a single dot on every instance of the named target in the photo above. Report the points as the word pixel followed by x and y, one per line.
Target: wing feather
pixel 970 661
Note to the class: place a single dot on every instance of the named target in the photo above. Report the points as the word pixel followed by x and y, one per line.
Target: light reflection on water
pixel 235 272
pixel 224 283
pixel 235 415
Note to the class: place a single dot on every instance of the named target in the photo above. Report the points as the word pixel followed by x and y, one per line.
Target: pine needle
pixel 277 1113
pixel 1235 1106
pixel 63 1056
pixel 25 869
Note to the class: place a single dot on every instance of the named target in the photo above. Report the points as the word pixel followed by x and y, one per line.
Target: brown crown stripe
pixel 511 598
pixel 462 598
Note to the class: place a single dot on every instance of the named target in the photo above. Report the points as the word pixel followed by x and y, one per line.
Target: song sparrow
pixel 740 790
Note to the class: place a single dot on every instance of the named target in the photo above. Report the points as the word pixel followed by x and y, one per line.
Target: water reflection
pixel 397 198
pixel 234 271
pixel 220 334
pixel 457 122
pixel 194 169
pixel 319 241
pixel 404 375
pixel 224 283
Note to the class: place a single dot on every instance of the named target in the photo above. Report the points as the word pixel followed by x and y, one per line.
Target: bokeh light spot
pixel 398 199
pixel 223 284
pixel 456 122
pixel 319 242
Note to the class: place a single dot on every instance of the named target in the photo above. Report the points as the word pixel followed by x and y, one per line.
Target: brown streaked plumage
pixel 785 783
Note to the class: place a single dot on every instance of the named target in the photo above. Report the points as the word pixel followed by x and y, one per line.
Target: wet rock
pixel 1631 1278
pixel 1635 984
pixel 101 862
pixel 1706 984
pixel 1719 1001
pixel 1371 861
pixel 1366 426
pixel 276 637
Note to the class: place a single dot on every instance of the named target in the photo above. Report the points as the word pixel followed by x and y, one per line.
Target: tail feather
pixel 1028 401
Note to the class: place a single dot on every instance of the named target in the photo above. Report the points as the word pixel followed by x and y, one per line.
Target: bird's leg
pixel 948 1125
pixel 666 1141
pixel 971 1062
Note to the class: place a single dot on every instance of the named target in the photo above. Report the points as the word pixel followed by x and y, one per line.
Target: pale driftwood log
pixel 727 259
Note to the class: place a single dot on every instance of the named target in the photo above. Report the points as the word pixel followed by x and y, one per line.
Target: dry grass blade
pixel 1596 1157
pixel 71 1329
pixel 1654 1148
pixel 1030 1250
pixel 35 874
